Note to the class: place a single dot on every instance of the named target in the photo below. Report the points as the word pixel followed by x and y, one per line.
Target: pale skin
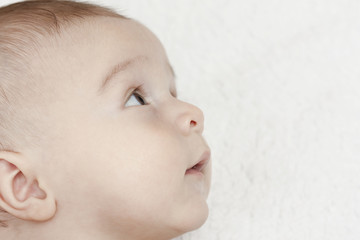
pixel 115 161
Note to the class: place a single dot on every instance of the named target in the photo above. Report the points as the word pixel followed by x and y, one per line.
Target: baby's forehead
pixel 98 47
pixel 105 36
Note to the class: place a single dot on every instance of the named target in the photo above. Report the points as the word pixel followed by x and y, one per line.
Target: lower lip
pixel 193 172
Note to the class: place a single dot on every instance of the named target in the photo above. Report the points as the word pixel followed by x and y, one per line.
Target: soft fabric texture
pixel 279 84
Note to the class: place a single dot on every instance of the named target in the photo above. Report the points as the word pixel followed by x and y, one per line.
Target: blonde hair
pixel 22 26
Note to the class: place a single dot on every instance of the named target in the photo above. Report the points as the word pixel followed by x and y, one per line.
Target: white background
pixel 279 84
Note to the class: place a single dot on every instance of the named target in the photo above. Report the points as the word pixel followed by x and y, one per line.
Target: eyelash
pixel 139 94
pixel 139 97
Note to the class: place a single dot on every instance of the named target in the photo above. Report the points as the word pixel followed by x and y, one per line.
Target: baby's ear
pixel 21 193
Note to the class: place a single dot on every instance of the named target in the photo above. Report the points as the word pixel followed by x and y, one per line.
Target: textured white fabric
pixel 279 83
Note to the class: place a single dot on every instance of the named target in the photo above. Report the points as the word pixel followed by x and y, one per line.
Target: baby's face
pixel 120 143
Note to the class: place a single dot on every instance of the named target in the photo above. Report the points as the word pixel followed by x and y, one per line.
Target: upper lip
pixel 202 161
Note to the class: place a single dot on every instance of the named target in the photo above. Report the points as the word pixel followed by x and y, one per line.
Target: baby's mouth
pixel 199 167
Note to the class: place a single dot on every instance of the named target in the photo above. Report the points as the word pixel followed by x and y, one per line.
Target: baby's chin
pixel 193 219
pixel 200 218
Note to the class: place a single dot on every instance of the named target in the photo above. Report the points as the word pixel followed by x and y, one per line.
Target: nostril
pixel 193 123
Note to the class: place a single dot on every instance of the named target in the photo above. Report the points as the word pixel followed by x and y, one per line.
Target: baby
pixel 94 143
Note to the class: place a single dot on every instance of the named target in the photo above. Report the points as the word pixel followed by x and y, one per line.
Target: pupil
pixel 140 99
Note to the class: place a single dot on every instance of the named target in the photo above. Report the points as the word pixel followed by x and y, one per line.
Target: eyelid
pixel 128 95
pixel 138 91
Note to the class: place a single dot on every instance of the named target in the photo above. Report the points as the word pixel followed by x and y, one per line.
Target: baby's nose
pixel 189 118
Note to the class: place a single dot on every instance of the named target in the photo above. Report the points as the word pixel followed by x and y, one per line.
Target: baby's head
pixel 94 143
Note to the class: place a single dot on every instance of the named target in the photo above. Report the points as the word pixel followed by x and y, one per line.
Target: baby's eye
pixel 135 99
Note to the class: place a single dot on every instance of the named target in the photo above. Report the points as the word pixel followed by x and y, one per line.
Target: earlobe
pixel 21 195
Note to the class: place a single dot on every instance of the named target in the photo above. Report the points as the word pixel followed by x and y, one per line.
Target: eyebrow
pixel 120 67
